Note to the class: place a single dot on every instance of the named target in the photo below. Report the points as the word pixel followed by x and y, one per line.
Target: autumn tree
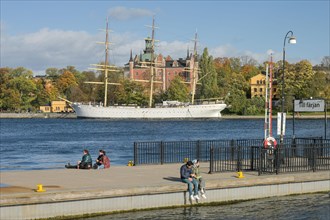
pixel 65 83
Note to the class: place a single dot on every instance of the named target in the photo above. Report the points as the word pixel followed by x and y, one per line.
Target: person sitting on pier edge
pixel 199 178
pixel 85 163
pixel 187 177
pixel 102 159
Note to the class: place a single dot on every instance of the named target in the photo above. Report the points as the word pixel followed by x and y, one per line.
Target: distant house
pixel 45 108
pixel 56 106
pixel 258 86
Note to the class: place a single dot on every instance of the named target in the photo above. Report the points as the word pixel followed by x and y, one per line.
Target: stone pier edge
pixel 113 204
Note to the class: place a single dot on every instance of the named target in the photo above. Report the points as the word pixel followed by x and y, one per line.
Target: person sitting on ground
pixel 199 178
pixel 85 163
pixel 102 160
pixel 188 177
pixel 106 161
pixel 99 160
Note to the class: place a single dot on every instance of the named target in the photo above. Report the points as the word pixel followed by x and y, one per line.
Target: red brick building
pixel 166 69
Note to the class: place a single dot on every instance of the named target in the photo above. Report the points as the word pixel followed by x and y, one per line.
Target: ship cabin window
pixel 137 74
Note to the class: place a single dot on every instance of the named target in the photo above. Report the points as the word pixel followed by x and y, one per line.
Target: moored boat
pixel 167 110
pixel 161 112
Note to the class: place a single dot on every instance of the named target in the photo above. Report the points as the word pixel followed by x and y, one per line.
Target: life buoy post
pixel 270 142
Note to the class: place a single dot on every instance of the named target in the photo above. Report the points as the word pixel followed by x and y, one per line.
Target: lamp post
pixel 292 40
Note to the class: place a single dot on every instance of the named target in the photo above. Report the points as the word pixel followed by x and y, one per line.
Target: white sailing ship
pixel 167 110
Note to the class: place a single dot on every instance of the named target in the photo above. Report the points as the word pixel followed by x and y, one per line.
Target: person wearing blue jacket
pixel 187 176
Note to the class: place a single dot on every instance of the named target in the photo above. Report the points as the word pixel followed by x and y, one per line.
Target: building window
pixel 257 81
pixel 260 90
pixel 255 90
pixel 260 95
pixel 274 89
pixel 264 82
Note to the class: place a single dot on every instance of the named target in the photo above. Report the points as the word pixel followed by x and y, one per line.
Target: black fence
pixel 161 152
pixel 293 155
pixel 302 158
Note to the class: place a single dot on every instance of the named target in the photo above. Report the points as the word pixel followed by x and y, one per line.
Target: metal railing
pixel 294 155
pixel 306 157
pixel 161 152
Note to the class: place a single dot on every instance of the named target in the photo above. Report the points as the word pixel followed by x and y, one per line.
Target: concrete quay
pixel 72 192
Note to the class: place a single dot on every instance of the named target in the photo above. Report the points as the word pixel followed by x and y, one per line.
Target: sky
pixel 42 34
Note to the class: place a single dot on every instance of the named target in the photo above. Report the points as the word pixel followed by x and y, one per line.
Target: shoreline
pixel 73 116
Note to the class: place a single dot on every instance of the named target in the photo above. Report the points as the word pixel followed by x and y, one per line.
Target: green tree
pixel 297 78
pixel 236 101
pixel 208 77
pixel 177 90
pixel 254 106
pixel 23 84
pixel 52 74
pixel 130 92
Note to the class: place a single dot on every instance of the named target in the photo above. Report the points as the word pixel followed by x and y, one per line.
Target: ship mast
pixel 194 71
pixel 105 67
pixel 152 62
pixel 106 63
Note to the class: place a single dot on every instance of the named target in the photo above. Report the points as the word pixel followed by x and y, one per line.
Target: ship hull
pixel 125 112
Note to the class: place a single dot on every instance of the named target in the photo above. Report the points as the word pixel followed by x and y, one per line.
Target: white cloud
pixel 176 49
pixel 57 48
pixel 123 13
pixel 230 51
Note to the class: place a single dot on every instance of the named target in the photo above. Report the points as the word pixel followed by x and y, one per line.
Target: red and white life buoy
pixel 270 142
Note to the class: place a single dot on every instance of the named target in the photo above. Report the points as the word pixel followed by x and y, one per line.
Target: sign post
pixel 279 119
pixel 311 105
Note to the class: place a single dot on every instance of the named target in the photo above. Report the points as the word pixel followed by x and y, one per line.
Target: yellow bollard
pixel 130 163
pixel 40 189
pixel 240 174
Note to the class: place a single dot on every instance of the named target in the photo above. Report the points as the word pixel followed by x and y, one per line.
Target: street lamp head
pixel 292 40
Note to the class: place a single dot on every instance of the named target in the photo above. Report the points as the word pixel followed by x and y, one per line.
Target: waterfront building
pixel 56 106
pixel 166 68
pixel 258 86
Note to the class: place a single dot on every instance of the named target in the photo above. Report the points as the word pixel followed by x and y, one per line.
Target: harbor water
pixel 33 144
pixel 299 207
